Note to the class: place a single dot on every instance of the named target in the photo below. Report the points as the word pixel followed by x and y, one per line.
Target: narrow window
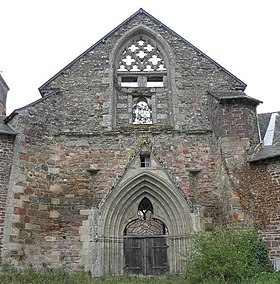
pixel 155 81
pixel 145 160
pixel 145 208
pixel 129 82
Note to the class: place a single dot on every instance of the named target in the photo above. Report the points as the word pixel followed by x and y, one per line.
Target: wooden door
pixel 146 255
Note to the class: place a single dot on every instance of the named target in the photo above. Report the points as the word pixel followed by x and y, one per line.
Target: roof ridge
pixel 140 11
pixel 10 116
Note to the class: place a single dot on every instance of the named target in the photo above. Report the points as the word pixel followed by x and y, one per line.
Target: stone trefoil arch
pixel 145 223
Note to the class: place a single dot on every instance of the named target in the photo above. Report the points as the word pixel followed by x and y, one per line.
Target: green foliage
pixel 264 278
pixel 226 256
pixel 9 274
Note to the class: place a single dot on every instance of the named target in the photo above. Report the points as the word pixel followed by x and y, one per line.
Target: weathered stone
pixel 92 151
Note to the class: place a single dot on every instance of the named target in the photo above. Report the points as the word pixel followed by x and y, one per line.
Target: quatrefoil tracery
pixel 141 55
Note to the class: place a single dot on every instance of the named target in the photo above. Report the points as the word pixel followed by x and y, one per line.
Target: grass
pixel 10 275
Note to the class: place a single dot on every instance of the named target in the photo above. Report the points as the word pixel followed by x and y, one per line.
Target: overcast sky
pixel 40 37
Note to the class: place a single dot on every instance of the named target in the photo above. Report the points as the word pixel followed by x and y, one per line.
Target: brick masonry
pixel 83 121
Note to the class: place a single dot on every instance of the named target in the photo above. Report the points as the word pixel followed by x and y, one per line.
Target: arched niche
pixel 145 223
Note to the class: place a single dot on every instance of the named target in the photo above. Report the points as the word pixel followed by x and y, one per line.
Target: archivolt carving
pixel 116 210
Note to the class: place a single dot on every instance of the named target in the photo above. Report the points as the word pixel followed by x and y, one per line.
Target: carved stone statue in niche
pixel 142 113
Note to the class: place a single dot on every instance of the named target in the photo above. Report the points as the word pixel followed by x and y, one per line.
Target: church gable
pixel 141 64
pixel 140 18
pixel 137 139
pixel 144 161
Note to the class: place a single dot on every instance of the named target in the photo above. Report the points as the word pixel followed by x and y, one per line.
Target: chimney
pixel 3 97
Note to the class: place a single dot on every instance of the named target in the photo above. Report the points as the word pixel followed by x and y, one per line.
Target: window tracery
pixel 141 55
pixel 145 224
pixel 142 77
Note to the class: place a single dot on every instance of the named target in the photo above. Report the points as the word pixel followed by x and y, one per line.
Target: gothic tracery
pixel 141 55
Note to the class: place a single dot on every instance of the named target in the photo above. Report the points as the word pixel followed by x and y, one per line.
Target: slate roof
pixel 4 88
pixel 269 151
pixel 264 119
pixel 224 96
pixel 276 138
pixel 2 81
pixel 266 152
pixel 6 129
pixel 43 89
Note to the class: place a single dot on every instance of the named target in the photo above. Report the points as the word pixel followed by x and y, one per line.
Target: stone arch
pixel 146 31
pixel 167 80
pixel 173 206
pixel 169 206
pixel 145 223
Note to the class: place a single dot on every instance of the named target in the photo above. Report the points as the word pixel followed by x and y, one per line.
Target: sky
pixel 40 37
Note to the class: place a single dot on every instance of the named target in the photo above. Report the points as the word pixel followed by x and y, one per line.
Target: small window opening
pixel 145 208
pixel 155 81
pixel 145 160
pixel 129 82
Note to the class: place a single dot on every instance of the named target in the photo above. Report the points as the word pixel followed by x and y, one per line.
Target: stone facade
pixel 3 96
pixel 6 152
pixel 83 164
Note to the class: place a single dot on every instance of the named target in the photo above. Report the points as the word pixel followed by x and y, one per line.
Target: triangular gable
pixel 43 90
pixel 134 169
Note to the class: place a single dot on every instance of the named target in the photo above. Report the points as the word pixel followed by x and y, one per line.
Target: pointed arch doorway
pixel 145 243
pixel 144 211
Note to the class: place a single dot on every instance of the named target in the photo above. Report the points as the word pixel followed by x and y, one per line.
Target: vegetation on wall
pixel 258 193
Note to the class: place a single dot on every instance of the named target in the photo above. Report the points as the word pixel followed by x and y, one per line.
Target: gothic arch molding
pixel 146 31
pixel 173 209
pixel 116 211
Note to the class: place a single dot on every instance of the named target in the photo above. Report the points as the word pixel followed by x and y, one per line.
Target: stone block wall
pixel 84 124
pixel 235 131
pixel 6 155
pixel 52 191
pixel 2 110
pixel 271 232
pixel 89 82
pixel 236 118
